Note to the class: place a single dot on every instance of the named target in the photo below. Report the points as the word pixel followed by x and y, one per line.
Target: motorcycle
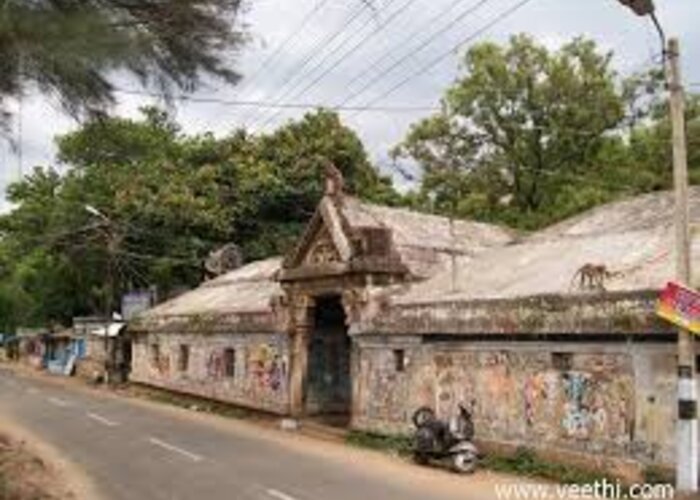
pixel 450 441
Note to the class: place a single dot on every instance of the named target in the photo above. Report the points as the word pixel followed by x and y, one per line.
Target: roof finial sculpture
pixel 335 183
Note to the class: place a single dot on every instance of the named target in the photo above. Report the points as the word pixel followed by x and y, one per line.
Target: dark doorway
pixel 328 390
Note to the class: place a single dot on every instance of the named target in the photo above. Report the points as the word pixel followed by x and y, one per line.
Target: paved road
pixel 133 451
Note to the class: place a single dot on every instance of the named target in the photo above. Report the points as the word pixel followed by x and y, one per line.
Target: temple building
pixel 552 335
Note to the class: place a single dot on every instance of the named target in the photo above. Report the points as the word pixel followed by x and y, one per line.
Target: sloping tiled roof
pixel 648 211
pixel 244 290
pixel 633 239
pixel 425 242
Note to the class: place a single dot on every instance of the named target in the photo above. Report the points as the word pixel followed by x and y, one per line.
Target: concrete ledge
pixel 609 312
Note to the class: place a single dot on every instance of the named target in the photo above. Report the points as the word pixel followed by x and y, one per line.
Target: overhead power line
pixel 423 69
pixel 412 52
pixel 271 105
pixel 348 53
pixel 404 41
pixel 317 49
pixel 247 82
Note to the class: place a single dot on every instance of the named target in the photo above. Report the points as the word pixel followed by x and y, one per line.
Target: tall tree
pixel 650 160
pixel 170 199
pixel 72 48
pixel 516 129
pixel 275 180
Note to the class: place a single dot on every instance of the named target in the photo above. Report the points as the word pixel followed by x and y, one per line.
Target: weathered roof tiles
pixel 632 240
pixel 425 242
pixel 244 290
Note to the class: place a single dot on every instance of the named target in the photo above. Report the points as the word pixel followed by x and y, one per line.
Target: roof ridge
pixel 229 277
pixel 543 238
pixel 413 212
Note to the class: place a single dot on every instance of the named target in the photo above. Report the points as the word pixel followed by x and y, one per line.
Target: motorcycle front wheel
pixel 421 458
pixel 464 463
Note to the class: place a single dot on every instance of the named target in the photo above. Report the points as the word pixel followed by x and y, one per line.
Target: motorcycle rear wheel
pixel 464 463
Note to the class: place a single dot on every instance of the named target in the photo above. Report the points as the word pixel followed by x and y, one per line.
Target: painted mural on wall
pixel 216 368
pixel 384 392
pixel 243 369
pixel 162 364
pixel 267 367
pixel 519 396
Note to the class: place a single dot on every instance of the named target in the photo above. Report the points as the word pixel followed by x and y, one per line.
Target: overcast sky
pixel 394 33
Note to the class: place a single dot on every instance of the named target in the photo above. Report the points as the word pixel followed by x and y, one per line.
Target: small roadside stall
pixel 63 350
pixel 106 346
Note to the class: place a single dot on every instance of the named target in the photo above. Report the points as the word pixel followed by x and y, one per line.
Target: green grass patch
pixel 525 462
pixel 393 444
pixel 4 488
pixel 659 475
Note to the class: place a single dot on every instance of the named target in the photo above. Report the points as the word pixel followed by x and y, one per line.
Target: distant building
pixel 381 310
pixel 30 346
pixel 7 346
pixel 106 346
pixel 63 349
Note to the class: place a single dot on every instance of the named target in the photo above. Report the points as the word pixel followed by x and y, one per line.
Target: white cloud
pixel 551 21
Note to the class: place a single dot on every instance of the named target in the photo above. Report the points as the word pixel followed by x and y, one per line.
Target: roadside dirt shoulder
pixel 32 470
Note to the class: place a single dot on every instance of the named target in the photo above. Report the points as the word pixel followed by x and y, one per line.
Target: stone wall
pixel 258 377
pixel 599 399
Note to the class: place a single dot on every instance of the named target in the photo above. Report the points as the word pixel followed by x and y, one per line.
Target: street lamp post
pixel 687 426
pixel 111 246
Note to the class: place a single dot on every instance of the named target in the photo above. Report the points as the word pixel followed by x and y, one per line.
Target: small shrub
pixel 658 475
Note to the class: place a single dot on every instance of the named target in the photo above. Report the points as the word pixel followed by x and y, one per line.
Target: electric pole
pixel 687 431
pixel 112 247
pixel 112 242
pixel 687 424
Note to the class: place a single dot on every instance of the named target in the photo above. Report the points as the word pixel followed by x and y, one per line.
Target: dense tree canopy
pixel 528 136
pixel 72 49
pixel 277 179
pixel 171 199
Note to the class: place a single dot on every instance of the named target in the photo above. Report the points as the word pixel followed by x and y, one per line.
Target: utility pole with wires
pixel 112 243
pixel 687 424
pixel 687 432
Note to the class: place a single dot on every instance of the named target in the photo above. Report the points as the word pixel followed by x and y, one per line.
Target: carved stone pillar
pixel 302 323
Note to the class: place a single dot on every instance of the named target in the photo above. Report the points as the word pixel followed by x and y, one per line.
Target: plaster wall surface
pixel 245 369
pixel 610 399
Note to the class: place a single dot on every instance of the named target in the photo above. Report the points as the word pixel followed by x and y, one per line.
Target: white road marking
pixel 102 420
pixel 59 402
pixel 170 447
pixel 279 495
